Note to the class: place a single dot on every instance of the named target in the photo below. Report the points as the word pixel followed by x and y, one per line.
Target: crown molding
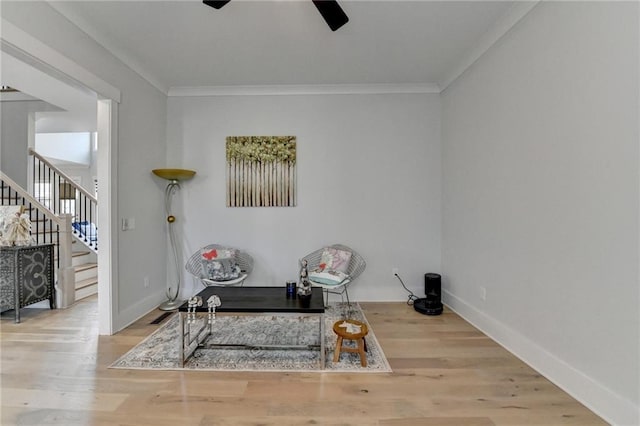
pixel 105 42
pixel 507 21
pixel 312 89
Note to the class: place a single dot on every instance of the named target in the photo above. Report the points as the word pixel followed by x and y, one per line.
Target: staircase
pixel 83 261
pixel 63 195
pixel 86 273
pixel 56 190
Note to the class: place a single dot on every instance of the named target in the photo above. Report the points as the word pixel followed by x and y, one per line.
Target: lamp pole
pixel 173 176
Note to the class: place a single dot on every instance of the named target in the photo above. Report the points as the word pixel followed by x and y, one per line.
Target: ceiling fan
pixel 329 9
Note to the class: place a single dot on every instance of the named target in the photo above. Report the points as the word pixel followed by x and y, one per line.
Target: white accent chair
pixel 356 266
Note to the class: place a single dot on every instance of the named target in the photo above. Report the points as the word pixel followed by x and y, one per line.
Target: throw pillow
pixel 335 259
pixel 219 264
pixel 218 253
pixel 223 270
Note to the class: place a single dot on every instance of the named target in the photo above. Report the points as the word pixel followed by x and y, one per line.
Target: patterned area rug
pixel 160 350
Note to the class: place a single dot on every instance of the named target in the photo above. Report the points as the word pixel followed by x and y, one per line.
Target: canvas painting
pixel 261 171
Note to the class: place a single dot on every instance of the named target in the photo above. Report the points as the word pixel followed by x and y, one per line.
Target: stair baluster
pixel 64 196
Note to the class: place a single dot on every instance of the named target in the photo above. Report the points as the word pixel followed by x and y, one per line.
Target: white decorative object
pixel 212 303
pixel 351 328
pixel 194 302
pixel 6 214
pixel 304 289
pixel 16 229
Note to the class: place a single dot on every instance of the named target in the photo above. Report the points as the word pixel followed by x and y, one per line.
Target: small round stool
pixel 358 337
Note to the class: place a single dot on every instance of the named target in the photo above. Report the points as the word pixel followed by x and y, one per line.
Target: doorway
pixel 58 81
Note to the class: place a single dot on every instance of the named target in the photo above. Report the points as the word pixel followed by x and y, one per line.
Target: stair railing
pixel 46 228
pixel 66 197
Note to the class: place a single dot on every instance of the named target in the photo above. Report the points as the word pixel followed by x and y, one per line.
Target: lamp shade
pixel 174 174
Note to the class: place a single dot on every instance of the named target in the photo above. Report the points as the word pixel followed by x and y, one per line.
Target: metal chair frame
pixel 356 266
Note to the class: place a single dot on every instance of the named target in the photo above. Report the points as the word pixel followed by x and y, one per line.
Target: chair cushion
pixel 220 264
pixel 334 259
pixel 328 277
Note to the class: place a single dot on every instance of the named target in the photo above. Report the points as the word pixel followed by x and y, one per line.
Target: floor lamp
pixel 174 176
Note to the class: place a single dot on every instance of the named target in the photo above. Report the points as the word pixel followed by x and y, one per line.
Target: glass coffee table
pixel 245 301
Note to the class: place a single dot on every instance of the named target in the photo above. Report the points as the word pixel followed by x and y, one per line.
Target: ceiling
pixel 178 44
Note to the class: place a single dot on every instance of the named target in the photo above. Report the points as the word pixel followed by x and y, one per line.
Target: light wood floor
pixel 445 372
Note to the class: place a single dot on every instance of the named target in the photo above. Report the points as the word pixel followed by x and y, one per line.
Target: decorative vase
pixel 305 300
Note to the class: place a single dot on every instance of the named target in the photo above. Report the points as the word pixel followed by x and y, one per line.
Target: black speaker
pixel 432 304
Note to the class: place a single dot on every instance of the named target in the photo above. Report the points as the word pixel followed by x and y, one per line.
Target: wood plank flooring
pixel 54 371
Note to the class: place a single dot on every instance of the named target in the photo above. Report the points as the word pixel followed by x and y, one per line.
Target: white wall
pixel 16 127
pixel 69 146
pixel 73 153
pixel 141 148
pixel 368 177
pixel 540 198
pixel 61 122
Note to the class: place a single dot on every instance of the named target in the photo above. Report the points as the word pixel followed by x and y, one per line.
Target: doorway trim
pixel 32 51
pixel 108 214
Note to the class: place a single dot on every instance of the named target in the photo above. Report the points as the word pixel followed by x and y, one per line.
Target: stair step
pixel 92 245
pixel 86 291
pixel 80 257
pixel 85 266
pixel 86 283
pixel 85 271
pixel 78 253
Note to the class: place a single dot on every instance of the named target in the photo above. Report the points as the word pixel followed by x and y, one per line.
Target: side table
pixel 361 344
pixel 26 277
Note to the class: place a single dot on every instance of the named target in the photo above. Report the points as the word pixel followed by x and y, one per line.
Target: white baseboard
pixel 132 314
pixel 599 399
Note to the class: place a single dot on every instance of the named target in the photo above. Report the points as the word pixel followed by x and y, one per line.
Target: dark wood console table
pixel 26 277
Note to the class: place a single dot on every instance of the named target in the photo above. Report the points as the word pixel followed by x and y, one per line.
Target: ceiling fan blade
pixel 216 4
pixel 332 13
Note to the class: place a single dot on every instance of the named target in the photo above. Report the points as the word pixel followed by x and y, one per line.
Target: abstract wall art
pixel 261 171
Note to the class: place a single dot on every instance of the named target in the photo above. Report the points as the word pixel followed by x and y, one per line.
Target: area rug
pixel 160 350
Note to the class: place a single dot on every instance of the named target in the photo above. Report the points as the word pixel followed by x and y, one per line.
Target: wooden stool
pixel 358 337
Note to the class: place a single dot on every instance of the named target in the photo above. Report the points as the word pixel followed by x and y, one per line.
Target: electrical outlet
pixel 146 282
pixel 395 271
pixel 483 293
